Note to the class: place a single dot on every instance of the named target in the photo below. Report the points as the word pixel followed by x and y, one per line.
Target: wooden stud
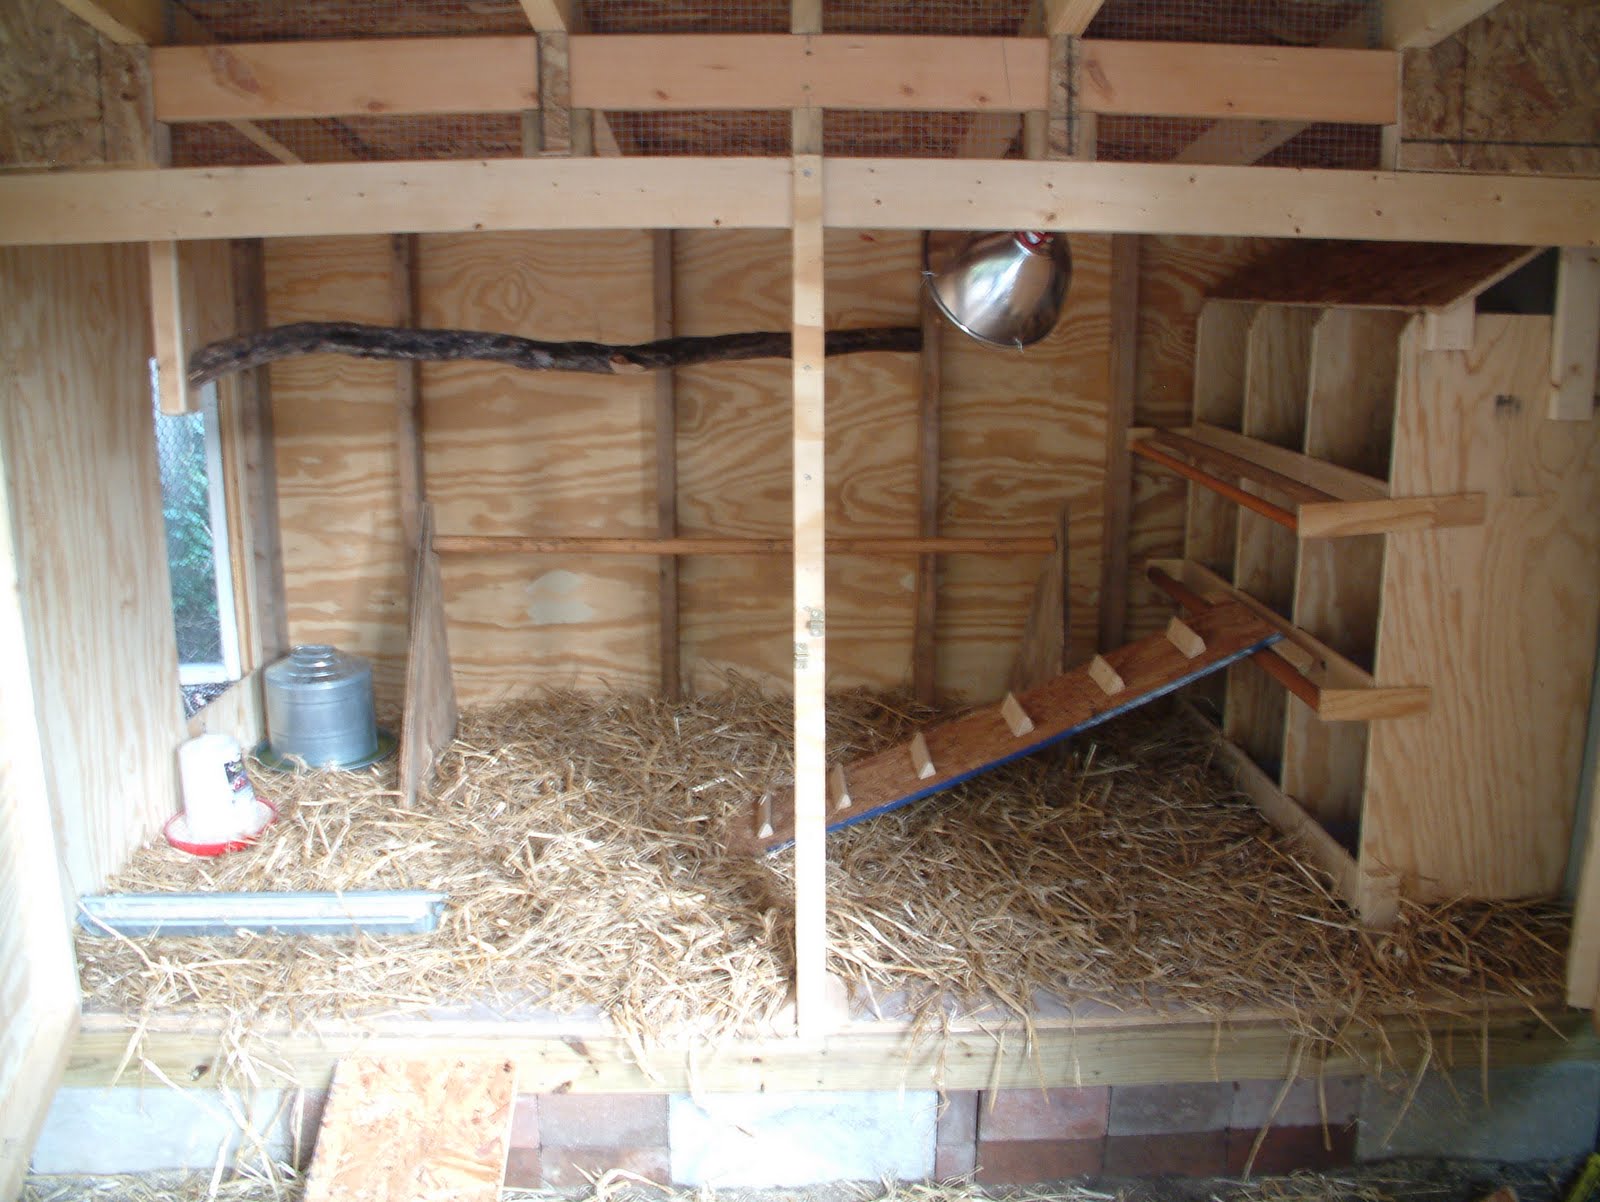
pixel 1117 489
pixel 1182 636
pixel 1104 675
pixel 409 473
pixel 924 630
pixel 838 788
pixel 1450 329
pixel 921 760
pixel 1575 336
pixel 168 312
pixel 1416 24
pixel 810 593
pixel 1016 718
pixel 551 14
pixel 125 22
pixel 1070 16
pixel 666 431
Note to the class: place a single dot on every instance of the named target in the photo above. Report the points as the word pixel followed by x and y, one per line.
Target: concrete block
pixel 794 1139
pixel 127 1130
pixel 1292 1149
pixel 1029 1161
pixel 1252 1103
pixel 1181 1154
pixel 1070 1113
pixel 958 1118
pixel 568 1168
pixel 954 1161
pixel 1170 1109
pixel 611 1120
pixel 1541 1113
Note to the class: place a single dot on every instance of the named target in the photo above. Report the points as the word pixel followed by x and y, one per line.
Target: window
pixel 194 504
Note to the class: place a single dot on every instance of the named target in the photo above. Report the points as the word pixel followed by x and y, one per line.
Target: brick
pixel 1184 1154
pixel 958 1118
pixel 1026 1161
pixel 953 1161
pixel 615 1120
pixel 566 1168
pixel 1252 1103
pixel 1008 1115
pixel 1289 1149
pixel 1170 1109
pixel 525 1121
pixel 522 1169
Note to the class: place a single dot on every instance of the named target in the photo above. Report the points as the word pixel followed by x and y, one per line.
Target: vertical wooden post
pixel 809 510
pixel 169 316
pixel 924 631
pixel 407 391
pixel 666 468
pixel 1119 416
pixel 1576 335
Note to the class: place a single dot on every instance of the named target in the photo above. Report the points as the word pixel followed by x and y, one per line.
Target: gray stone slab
pixel 1301 1107
pixel 127 1130
pixel 799 1139
pixel 1170 1109
pixel 1543 1113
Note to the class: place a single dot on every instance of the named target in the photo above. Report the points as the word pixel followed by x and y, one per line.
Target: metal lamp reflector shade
pixel 1004 288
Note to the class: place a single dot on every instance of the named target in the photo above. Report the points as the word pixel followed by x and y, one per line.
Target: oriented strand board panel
pixel 1375 275
pixel 79 445
pixel 344 562
pixel 49 87
pixel 414 1131
pixel 1499 619
pixel 1175 276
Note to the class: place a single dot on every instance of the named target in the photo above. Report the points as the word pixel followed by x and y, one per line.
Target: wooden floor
pixel 563 1054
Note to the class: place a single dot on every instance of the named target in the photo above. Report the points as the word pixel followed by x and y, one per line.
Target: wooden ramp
pixel 943 756
pixel 435 1130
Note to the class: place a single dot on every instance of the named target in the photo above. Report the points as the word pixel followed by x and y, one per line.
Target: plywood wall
pixel 79 446
pixel 518 453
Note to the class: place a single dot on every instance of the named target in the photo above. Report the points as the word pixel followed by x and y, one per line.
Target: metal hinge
pixel 802 655
pixel 814 624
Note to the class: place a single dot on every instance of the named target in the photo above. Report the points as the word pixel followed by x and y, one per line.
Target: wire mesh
pixel 951 18
pixel 761 132
pixel 353 139
pixel 317 20
pixel 913 135
pixel 186 508
pixel 1257 22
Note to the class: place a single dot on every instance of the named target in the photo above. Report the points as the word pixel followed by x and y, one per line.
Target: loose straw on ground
pixel 582 842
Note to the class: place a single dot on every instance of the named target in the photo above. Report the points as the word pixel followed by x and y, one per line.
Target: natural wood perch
pixel 599 358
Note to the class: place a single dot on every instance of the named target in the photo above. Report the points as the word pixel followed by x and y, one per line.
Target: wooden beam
pixel 1417 24
pixel 168 333
pixel 650 72
pixel 1317 479
pixel 1070 16
pixel 888 1055
pixel 750 193
pixel 924 629
pixel 125 22
pixel 1313 83
pixel 554 15
pixel 666 427
pixel 1576 337
pixel 480 544
pixel 810 599
pixel 1117 490
pixel 371 77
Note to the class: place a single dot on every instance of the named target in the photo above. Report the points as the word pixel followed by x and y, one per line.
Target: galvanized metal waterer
pixel 1003 288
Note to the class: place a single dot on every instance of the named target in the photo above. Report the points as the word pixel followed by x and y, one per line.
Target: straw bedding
pixel 582 842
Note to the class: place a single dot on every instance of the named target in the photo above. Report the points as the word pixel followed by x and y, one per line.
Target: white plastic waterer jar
pixel 219 803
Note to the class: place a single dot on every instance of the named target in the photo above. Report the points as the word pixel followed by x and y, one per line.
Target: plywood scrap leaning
pixel 943 756
pixel 414 1131
pixel 430 706
pixel 1046 639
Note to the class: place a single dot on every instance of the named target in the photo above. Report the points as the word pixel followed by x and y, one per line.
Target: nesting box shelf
pixel 1428 544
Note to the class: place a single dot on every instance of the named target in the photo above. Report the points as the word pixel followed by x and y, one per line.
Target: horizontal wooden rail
pixel 98 206
pixel 655 72
pixel 1274 513
pixel 479 544
pixel 1329 481
pixel 1273 665
pixel 1202 454
pixel 1344 691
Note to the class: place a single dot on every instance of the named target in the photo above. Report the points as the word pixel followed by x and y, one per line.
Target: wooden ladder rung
pixel 1017 720
pixel 838 788
pixel 1107 677
pixel 921 760
pixel 1182 636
